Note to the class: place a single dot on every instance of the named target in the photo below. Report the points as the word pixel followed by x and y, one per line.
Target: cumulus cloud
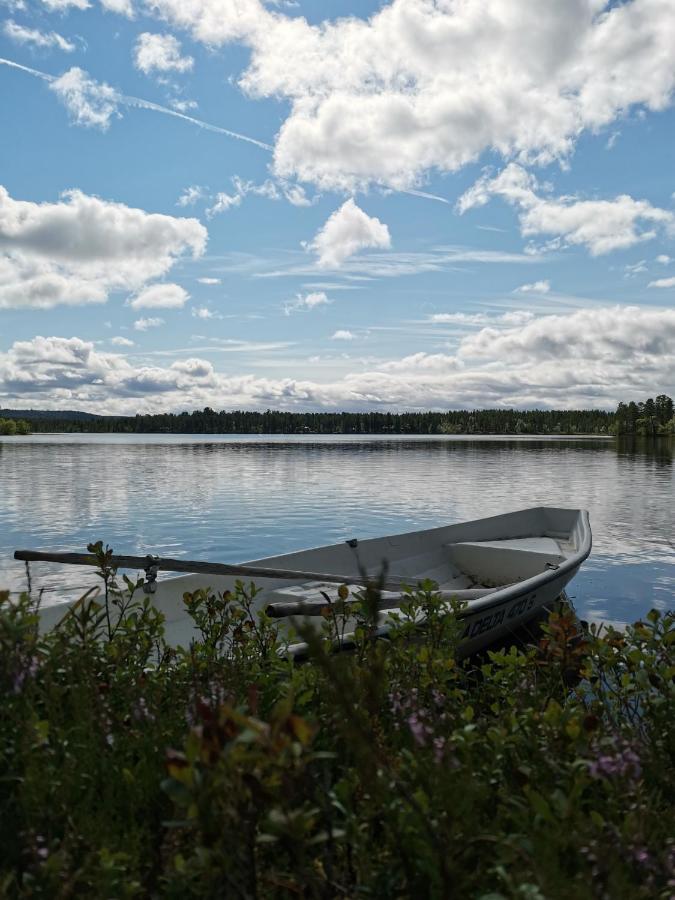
pixel 342 335
pixel 44 40
pixel 345 232
pixel 305 302
pixel 586 358
pixel 662 283
pixel 121 342
pixel 160 53
pixel 72 368
pixel 598 335
pixel 422 86
pixel 144 324
pixel 79 249
pixel 90 103
pixel 664 259
pixel 207 280
pixel 599 225
pixel 160 296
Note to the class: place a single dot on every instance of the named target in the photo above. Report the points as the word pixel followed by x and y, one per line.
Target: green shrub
pixel 225 769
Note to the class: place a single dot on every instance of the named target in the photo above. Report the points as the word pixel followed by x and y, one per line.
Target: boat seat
pixel 505 561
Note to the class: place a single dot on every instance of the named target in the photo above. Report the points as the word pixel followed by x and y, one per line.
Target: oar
pixel 198 567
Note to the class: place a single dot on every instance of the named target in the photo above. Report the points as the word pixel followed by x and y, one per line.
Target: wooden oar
pixel 198 567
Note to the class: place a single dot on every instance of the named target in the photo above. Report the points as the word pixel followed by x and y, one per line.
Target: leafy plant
pixel 225 768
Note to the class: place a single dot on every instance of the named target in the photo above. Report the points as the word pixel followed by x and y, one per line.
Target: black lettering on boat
pixel 485 623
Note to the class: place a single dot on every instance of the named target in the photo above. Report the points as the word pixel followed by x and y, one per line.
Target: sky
pixel 420 204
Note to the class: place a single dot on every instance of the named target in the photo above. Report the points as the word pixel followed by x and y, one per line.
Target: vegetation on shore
pixel 652 417
pixel 223 769
pixel 14 426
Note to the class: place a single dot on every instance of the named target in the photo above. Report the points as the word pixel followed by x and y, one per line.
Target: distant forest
pixel 652 417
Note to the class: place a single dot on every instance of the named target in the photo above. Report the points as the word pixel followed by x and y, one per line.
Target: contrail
pixel 156 107
pixel 139 103
pixel 426 196
pixel 35 72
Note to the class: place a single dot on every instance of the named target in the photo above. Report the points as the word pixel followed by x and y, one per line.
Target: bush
pixel 225 769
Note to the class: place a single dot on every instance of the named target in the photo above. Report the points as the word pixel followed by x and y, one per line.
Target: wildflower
pixel 25 672
pixel 624 763
pixel 141 713
pixel 419 729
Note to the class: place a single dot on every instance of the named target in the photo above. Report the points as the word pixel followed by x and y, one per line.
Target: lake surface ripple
pixel 230 498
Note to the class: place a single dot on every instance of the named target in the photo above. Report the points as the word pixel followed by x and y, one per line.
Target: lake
pixel 230 498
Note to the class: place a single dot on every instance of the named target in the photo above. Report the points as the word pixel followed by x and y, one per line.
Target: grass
pixel 223 769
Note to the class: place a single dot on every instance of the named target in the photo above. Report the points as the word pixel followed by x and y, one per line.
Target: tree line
pixel 652 417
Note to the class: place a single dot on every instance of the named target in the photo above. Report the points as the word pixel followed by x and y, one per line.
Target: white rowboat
pixel 506 568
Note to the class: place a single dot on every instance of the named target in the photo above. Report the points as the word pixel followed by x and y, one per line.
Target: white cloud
pixel 342 335
pixel 64 5
pixel 582 359
pixel 160 53
pixel 306 302
pixel 662 283
pixel 345 232
pixel 631 270
pixel 421 86
pixel 90 103
pixel 664 259
pixel 190 195
pixel 183 106
pixel 295 194
pixel 203 312
pixel 536 287
pixel 81 248
pixel 160 296
pixel 121 7
pixel 598 335
pixel 515 317
pixel 122 342
pixel 195 368
pixel 207 280
pixel 223 202
pixel 267 189
pixel 44 40
pixel 600 225
pixel 143 324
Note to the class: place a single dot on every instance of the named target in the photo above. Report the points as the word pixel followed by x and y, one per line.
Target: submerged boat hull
pixel 519 562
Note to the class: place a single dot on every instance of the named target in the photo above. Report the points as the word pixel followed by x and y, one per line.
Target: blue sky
pixel 429 205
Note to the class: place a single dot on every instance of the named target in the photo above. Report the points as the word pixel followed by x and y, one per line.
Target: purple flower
pixel 25 672
pixel 623 763
pixel 419 729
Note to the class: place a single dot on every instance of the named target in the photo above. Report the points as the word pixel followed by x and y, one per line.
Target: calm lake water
pixel 234 497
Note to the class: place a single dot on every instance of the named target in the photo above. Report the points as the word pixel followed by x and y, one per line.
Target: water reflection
pixel 231 498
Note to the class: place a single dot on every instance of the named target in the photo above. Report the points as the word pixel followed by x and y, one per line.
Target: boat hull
pixel 526 559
